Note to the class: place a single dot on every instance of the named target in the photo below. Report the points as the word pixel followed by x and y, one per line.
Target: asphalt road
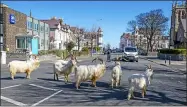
pixel 167 88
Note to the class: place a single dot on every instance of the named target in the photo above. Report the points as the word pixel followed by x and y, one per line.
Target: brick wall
pixel 12 30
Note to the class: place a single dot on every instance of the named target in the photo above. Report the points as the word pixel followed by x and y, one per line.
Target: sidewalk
pixel 175 65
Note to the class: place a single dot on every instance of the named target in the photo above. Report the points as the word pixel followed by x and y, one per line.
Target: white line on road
pixel 11 86
pixel 46 98
pixel 43 87
pixel 12 101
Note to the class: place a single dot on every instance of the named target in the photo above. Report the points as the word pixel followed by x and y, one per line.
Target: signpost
pixel 12 19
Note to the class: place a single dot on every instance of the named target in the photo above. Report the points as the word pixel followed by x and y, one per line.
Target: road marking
pixel 46 98
pixel 11 86
pixel 43 87
pixel 12 101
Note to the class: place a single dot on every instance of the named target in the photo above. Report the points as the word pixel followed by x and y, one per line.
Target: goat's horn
pixel 147 66
pixel 100 60
pixel 67 56
pixel 76 59
pixel 94 59
pixel 150 66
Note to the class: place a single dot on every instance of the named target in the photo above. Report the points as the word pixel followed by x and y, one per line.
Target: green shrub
pixel 172 51
pixel 97 48
pixel 85 49
pixel 43 52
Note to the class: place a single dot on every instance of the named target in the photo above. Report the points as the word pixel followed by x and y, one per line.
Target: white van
pixel 131 53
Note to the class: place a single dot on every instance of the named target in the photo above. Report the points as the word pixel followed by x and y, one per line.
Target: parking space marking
pixel 12 101
pixel 43 87
pixel 46 98
pixel 11 86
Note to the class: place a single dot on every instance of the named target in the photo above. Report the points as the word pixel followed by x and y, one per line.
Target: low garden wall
pixel 175 54
pixel 62 53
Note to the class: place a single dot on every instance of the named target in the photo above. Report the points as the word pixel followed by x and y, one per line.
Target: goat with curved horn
pixel 97 58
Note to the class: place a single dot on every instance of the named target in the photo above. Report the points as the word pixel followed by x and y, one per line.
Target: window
pixel 27 24
pixel 20 43
pixel 47 29
pixel 30 25
pixel 1 28
pixel 1 18
pixel 41 28
pixel 35 27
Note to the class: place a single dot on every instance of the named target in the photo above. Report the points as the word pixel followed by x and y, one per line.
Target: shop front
pixel 27 42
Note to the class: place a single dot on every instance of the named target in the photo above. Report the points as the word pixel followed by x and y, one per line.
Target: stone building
pixel 178 13
pixel 14 24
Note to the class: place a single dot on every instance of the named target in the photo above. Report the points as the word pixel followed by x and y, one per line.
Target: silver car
pixel 130 53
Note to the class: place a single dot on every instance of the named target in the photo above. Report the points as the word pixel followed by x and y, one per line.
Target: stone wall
pixel 12 30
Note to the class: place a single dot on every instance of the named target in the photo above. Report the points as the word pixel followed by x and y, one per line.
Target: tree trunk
pixel 91 46
pixel 151 46
pixel 147 46
pixel 79 45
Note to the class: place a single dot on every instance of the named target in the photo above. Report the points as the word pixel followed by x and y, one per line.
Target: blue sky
pixel 114 14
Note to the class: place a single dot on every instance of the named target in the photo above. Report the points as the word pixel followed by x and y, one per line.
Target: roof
pixel 184 24
pixel 53 23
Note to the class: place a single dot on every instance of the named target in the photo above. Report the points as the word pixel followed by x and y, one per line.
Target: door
pixel 35 46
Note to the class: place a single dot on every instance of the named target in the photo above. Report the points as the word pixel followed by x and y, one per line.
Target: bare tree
pixel 152 23
pixel 132 28
pixel 91 35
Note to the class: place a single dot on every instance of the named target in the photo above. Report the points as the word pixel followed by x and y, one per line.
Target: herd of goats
pixel 84 72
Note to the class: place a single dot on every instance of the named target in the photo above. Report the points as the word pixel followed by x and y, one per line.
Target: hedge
pixel 61 53
pixel 172 51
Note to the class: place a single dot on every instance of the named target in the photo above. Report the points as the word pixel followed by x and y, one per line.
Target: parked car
pixel 131 53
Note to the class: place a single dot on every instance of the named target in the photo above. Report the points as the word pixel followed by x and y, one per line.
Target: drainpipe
pixel 44 36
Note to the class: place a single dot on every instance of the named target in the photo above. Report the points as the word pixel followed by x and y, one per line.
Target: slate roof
pixel 53 23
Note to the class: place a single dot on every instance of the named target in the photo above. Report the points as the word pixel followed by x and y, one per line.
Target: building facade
pixel 38 28
pixel 178 13
pixel 14 25
pixel 99 38
pixel 125 40
pixel 59 33
pixel 181 34
pixel 93 38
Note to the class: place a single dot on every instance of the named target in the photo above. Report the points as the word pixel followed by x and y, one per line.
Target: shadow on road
pixel 48 79
pixel 16 77
pixel 162 98
pixel 135 69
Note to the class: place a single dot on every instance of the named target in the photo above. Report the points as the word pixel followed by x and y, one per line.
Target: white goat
pixel 140 81
pixel 116 74
pixel 89 72
pixel 27 67
pixel 62 67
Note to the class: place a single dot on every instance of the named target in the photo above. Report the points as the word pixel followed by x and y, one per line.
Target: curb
pixel 173 69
